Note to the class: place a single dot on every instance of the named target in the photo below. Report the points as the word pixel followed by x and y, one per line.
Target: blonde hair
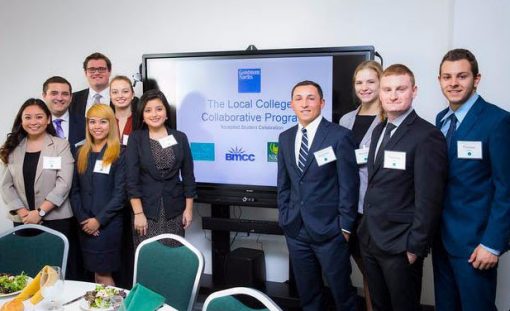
pixel 377 68
pixel 112 151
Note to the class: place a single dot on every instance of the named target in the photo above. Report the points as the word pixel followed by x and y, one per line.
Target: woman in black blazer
pixel 157 158
pixel 98 194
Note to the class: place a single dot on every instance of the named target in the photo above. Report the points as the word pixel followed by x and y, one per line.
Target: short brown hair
pixel 460 54
pixel 399 70
pixel 96 56
pixel 305 83
pixel 56 79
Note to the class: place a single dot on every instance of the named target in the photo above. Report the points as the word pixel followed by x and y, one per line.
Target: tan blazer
pixel 51 185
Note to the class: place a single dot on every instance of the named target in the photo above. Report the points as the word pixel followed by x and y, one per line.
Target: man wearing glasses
pixel 97 68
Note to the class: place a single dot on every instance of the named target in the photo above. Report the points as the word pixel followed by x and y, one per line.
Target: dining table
pixel 72 290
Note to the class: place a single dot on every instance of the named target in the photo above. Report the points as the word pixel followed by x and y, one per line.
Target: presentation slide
pixel 233 110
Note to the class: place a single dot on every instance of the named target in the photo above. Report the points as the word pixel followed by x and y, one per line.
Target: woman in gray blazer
pixel 38 171
pixel 362 122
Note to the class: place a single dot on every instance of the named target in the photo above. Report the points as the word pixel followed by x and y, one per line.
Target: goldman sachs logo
pixel 238 154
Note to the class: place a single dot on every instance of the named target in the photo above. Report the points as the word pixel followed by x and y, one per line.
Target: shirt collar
pixel 312 126
pixel 105 95
pixel 401 117
pixel 463 110
pixel 64 117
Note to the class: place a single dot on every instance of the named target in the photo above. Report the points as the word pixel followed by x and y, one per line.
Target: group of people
pixel 101 167
pixel 388 187
pixel 385 186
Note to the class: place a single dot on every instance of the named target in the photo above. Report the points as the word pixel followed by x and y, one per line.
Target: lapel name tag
pixel 102 169
pixel 324 156
pixel 125 139
pixel 52 163
pixel 395 160
pixel 167 141
pixel 469 150
pixel 362 155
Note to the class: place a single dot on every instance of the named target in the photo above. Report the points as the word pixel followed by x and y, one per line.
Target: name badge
pixel 395 160
pixel 125 139
pixel 362 155
pixel 102 169
pixel 52 163
pixel 167 141
pixel 325 156
pixel 469 150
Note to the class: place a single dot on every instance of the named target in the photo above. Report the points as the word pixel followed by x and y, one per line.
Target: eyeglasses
pixel 96 69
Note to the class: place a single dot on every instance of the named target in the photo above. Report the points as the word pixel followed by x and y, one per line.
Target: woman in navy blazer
pixel 362 122
pixel 157 158
pixel 98 194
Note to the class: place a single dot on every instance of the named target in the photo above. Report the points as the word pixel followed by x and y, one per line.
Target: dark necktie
pixel 451 130
pixel 303 151
pixel 58 127
pixel 386 138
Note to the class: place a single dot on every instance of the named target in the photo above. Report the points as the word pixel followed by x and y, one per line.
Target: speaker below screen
pixel 245 267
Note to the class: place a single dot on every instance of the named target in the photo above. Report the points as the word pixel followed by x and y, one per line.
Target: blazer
pixel 76 131
pixel 51 185
pixel 403 207
pixel 79 104
pixel 347 121
pixel 477 201
pixel 144 180
pixel 99 195
pixel 323 199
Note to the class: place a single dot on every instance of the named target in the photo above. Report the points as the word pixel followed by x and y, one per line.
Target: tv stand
pixel 220 224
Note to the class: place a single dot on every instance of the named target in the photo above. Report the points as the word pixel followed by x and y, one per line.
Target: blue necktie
pixel 303 151
pixel 451 130
pixel 58 127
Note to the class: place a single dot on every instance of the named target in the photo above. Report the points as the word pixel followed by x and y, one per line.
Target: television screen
pixel 233 105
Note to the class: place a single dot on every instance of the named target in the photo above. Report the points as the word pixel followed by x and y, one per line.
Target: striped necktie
pixel 303 151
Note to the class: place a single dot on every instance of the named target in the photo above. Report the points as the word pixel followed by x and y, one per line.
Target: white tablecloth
pixel 72 289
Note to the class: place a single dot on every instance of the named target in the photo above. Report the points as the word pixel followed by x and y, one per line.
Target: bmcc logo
pixel 238 154
pixel 272 151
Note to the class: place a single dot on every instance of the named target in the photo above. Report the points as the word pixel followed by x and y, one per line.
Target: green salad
pixel 101 296
pixel 12 283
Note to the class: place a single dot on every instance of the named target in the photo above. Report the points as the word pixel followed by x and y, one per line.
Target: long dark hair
pixel 18 133
pixel 146 97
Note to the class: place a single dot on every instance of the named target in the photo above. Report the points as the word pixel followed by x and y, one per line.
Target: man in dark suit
pixel 317 200
pixel 407 170
pixel 57 94
pixel 475 224
pixel 97 68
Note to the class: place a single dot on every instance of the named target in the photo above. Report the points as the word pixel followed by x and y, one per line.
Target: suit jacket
pixel 323 199
pixel 51 185
pixel 99 195
pixel 79 104
pixel 403 207
pixel 477 201
pixel 76 130
pixel 347 121
pixel 144 180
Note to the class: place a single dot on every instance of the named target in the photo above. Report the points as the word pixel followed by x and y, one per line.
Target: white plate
pixel 84 305
pixel 15 293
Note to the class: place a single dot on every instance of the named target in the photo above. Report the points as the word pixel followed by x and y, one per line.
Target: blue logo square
pixel 202 151
pixel 248 80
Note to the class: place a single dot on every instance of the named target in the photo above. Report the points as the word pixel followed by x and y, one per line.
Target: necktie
pixel 97 98
pixel 58 127
pixel 303 151
pixel 451 129
pixel 386 138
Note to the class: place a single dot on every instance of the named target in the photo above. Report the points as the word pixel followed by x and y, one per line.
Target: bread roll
pixel 13 305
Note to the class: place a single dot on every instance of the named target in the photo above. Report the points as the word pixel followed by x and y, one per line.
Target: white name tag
pixel 362 155
pixel 100 168
pixel 167 141
pixel 125 139
pixel 395 160
pixel 52 163
pixel 469 150
pixel 324 156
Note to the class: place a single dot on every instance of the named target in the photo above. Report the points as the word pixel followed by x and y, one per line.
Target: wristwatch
pixel 42 212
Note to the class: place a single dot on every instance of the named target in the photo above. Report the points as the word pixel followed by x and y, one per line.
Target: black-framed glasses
pixel 97 69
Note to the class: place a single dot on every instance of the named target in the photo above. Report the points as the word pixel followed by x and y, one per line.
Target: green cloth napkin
pixel 142 298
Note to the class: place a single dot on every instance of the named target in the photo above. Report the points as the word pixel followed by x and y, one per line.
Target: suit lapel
pixel 147 155
pixel 291 149
pixel 18 157
pixel 467 124
pixel 373 145
pixel 46 151
pixel 320 135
